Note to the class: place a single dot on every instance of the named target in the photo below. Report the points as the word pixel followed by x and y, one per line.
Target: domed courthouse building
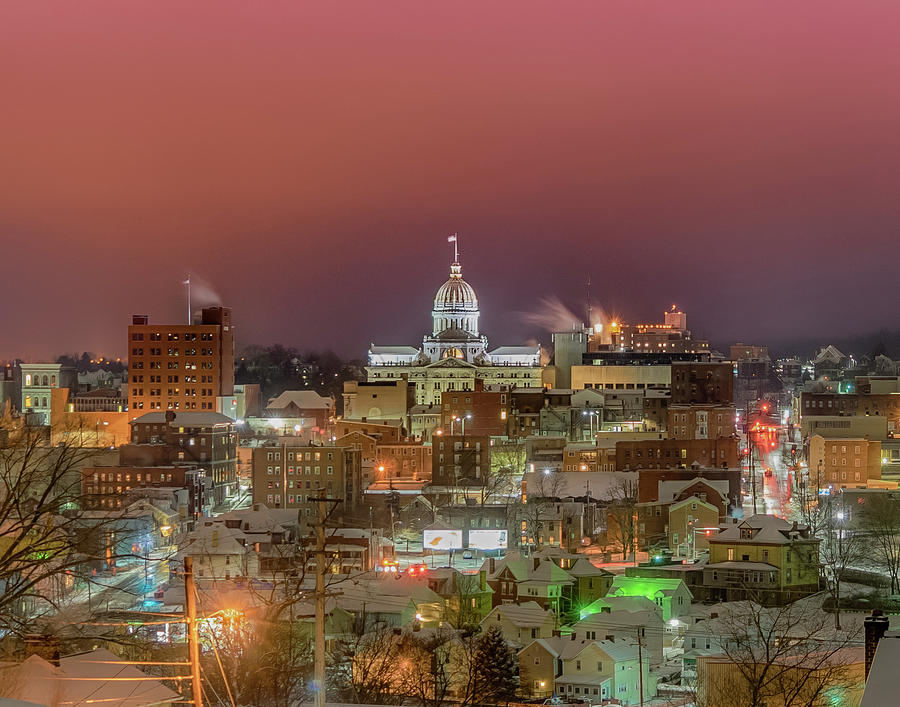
pixel 455 353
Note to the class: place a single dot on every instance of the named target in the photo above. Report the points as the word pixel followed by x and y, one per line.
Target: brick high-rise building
pixel 180 366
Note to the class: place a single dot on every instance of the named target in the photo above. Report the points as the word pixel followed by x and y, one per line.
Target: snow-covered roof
pixel 303 399
pixel 548 572
pixel 766 529
pixel 667 490
pixel 881 685
pixel 574 484
pixel 184 419
pixel 81 679
pixel 584 568
pixel 529 614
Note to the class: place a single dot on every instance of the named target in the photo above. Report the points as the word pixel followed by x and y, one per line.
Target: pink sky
pixel 308 159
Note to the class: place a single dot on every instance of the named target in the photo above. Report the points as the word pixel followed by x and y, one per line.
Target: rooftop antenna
pixel 454 239
pixel 188 283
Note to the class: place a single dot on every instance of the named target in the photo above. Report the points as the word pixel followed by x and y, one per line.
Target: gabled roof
pixel 638 586
pixel 559 647
pixel 628 604
pixel 667 490
pixel 303 399
pixel 548 572
pixel 564 648
pixel 529 614
pixel 766 529
pixel 621 619
pixel 213 539
pixel 584 568
pixel 84 678
pixel 691 499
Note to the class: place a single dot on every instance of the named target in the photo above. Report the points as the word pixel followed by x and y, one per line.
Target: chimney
pixel 492 563
pixel 537 562
pixel 573 635
pixel 874 627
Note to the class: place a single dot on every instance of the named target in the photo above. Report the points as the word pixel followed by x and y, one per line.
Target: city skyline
pixel 308 163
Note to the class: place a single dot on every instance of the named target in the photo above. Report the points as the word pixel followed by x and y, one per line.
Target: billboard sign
pixel 442 539
pixel 488 539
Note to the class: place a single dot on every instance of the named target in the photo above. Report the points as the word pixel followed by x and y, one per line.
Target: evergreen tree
pixel 495 668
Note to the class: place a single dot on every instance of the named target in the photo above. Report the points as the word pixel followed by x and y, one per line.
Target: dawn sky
pixel 307 160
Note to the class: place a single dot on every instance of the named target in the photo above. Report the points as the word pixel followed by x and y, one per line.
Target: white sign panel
pixel 488 539
pixel 442 539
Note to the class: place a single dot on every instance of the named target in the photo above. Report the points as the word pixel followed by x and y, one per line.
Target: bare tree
pixel 882 524
pixel 838 551
pixel 365 662
pixel 542 490
pixel 507 466
pixel 263 660
pixel 812 512
pixel 47 540
pixel 427 666
pixel 621 522
pixel 790 653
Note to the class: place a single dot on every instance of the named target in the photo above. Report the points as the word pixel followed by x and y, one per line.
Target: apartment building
pixel 181 366
pixel 293 476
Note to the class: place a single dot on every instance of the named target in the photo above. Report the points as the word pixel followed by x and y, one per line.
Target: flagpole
pixel 188 283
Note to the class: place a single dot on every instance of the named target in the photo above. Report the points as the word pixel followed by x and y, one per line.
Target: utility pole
pixel 190 605
pixel 319 658
pixel 640 665
pixel 322 512
pixel 750 453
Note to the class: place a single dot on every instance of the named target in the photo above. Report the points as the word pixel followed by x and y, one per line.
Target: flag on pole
pixel 451 238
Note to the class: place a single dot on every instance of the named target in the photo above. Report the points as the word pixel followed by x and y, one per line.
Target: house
pixel 654 514
pixel 521 623
pixel 218 552
pixel 586 670
pixel 627 627
pixel 670 595
pixel 467 597
pixel 590 582
pixel 504 575
pixel 691 523
pixel 303 405
pixel 796 679
pixel 548 585
pixel 764 557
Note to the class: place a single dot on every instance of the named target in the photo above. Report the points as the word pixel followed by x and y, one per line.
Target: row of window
pixel 270 470
pixel 173 365
pixel 316 456
pixel 43 381
pixel 157 405
pixel 189 336
pixel 139 351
